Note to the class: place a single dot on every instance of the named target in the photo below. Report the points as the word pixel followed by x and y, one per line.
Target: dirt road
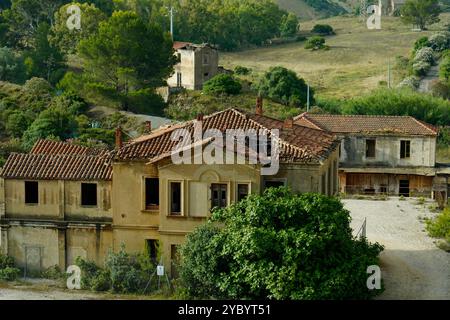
pixel 412 266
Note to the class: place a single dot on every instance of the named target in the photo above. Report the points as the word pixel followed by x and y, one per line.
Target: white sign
pixel 160 271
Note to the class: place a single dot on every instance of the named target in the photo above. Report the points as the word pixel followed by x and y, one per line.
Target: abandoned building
pixel 62 201
pixel 391 7
pixel 382 154
pixel 197 64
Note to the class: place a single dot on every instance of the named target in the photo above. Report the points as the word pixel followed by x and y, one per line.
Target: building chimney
pixel 119 141
pixel 259 106
pixel 148 127
pixel 288 124
pixel 200 117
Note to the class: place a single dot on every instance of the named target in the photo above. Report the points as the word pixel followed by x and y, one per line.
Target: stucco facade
pixel 197 64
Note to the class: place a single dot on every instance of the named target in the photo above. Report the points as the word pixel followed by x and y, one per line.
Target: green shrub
pixel 222 84
pixel 240 70
pixel 6 261
pixel 425 55
pixel 315 43
pixel 421 43
pixel 421 68
pixel 440 41
pixel 278 246
pixel 284 86
pixel 54 273
pixel 9 274
pixel 439 227
pixel 323 29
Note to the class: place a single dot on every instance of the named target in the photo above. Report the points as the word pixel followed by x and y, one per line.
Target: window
pixel 206 75
pixel 218 195
pixel 404 188
pixel 370 148
pixel 273 184
pixel 89 194
pixel 205 59
pixel 179 80
pixel 151 193
pixel 324 181
pixel 31 192
pixel 405 149
pixel 242 190
pixel 152 249
pixel 175 198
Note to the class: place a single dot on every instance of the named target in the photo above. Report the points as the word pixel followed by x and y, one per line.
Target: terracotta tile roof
pixel 382 125
pixel 179 44
pixel 299 144
pixel 44 146
pixel 57 167
pixel 53 160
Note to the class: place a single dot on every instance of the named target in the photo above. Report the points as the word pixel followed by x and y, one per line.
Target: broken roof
pixel 298 144
pixel 367 124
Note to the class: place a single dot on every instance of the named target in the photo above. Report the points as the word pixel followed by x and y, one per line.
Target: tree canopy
pixel 284 86
pixel 278 246
pixel 421 13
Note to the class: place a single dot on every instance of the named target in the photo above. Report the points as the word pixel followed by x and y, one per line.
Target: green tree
pixel 45 60
pixel 315 43
pixel 444 69
pixel 284 86
pixel 421 13
pixel 12 67
pixel 126 55
pixel 278 246
pixel 323 29
pixel 67 40
pixel 222 84
pixel 289 25
pixel 56 122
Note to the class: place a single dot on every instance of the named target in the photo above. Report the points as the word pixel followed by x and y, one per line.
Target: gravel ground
pixel 412 266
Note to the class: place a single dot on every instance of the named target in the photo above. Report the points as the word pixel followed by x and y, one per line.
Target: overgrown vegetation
pixel 278 246
pixel 439 227
pixel 122 273
pixel 8 271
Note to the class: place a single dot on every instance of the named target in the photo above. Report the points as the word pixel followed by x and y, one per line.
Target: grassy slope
pixel 354 65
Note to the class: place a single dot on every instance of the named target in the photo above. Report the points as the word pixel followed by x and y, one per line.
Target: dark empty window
pixel 242 191
pixel 152 249
pixel 405 149
pixel 175 198
pixel 31 192
pixel 218 195
pixel 151 193
pixel 370 148
pixel 88 194
pixel 273 184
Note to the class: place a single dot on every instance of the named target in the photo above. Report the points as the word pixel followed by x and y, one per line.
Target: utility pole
pixel 171 22
pixel 389 73
pixel 307 100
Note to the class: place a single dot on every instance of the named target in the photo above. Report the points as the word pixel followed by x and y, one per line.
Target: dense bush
pixel 401 102
pixel 222 84
pixel 8 272
pixel 12 67
pixel 278 246
pixel 425 55
pixel 440 41
pixel 289 25
pixel 123 273
pixel 440 226
pixel 315 43
pixel 410 82
pixel 240 70
pixel 284 86
pixel 421 43
pixel 421 68
pixel 323 29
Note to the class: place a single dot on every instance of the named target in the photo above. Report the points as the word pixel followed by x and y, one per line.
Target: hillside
pixel 355 64
pixel 313 9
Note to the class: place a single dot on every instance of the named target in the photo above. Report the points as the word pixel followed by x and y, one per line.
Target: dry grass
pixel 356 63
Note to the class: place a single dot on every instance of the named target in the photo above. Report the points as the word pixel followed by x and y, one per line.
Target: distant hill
pixel 313 9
